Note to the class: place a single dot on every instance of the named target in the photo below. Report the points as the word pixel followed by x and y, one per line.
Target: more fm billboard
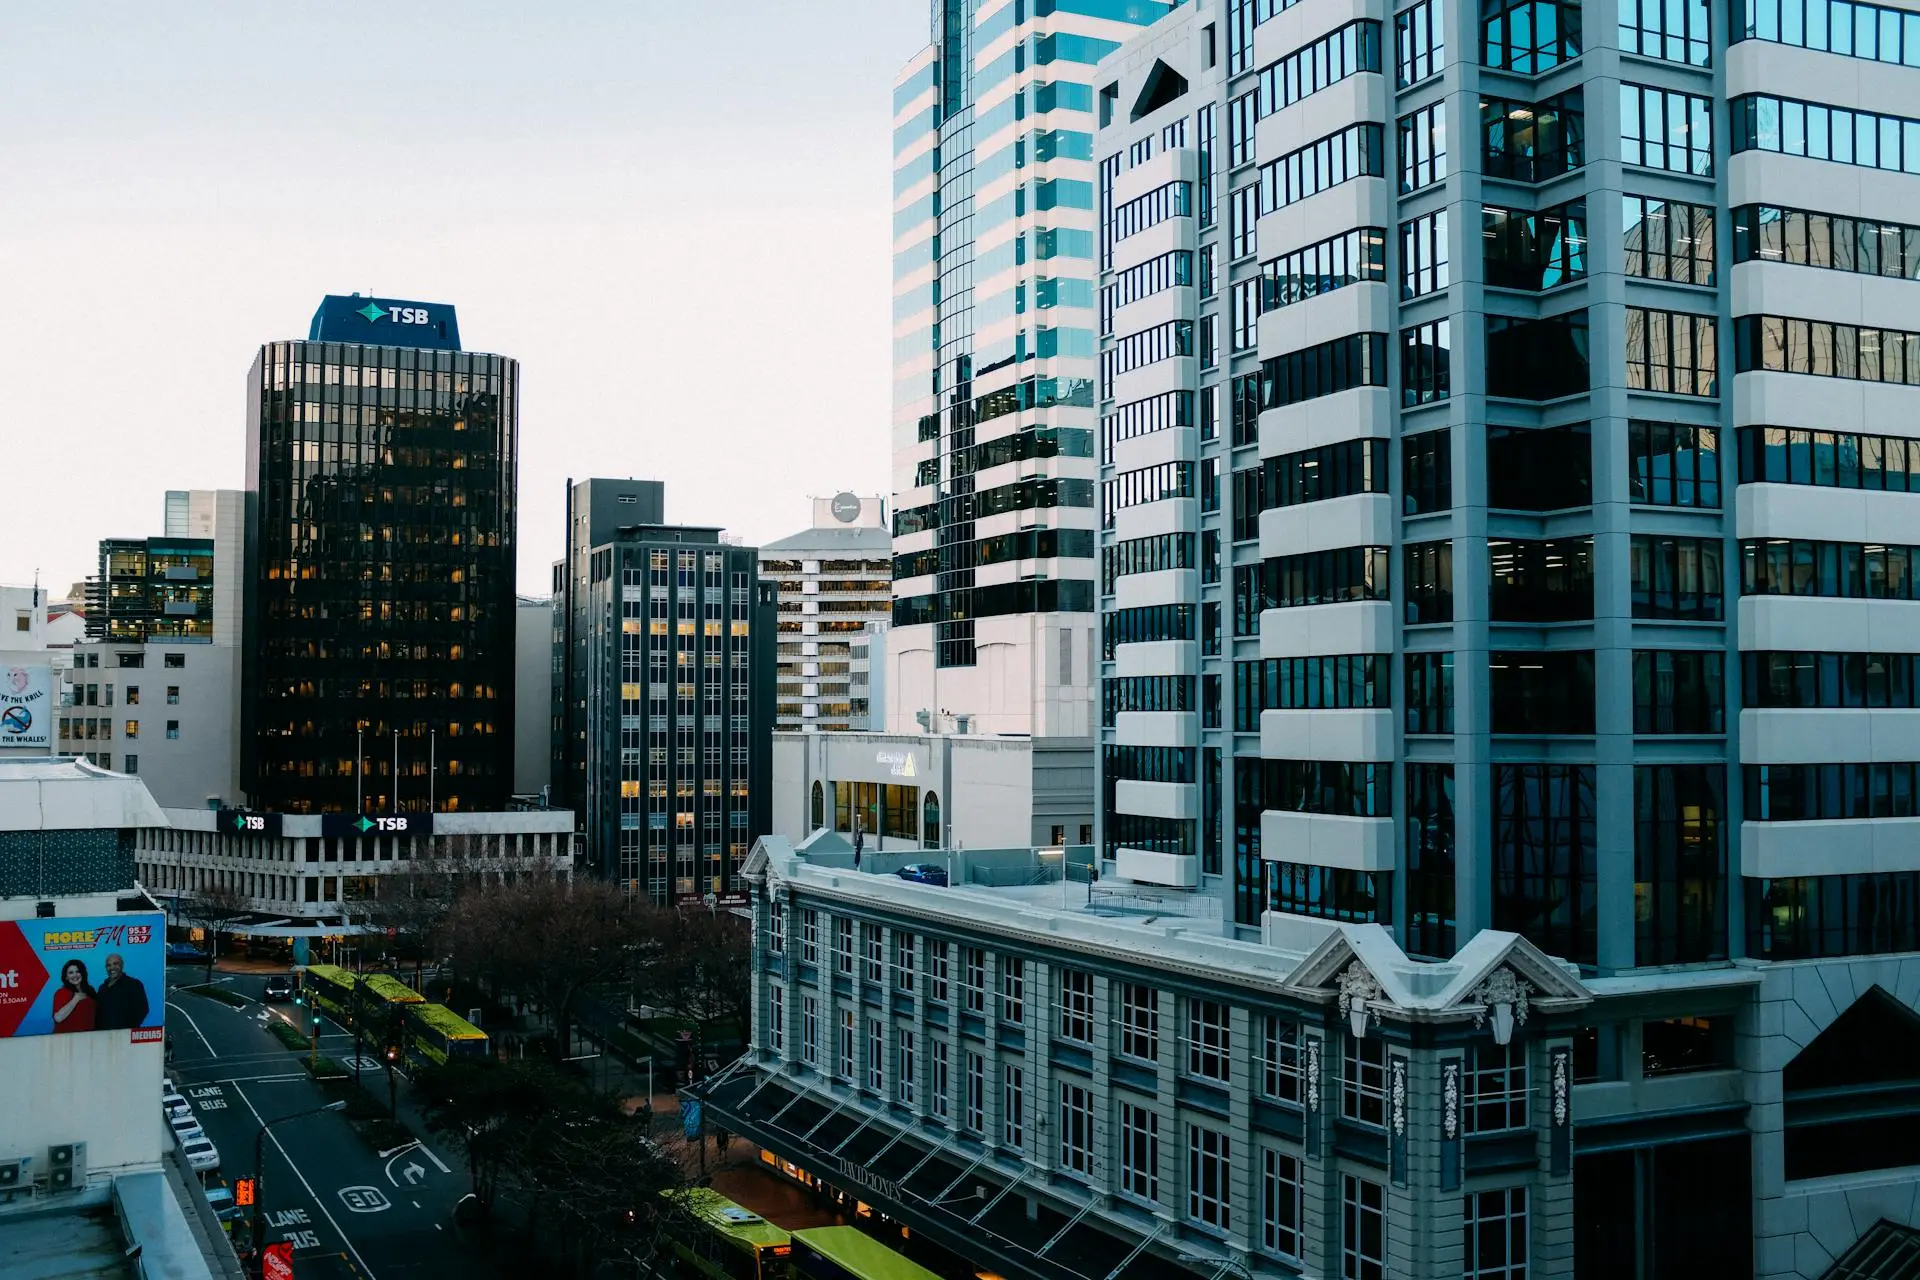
pixel 26 706
pixel 68 974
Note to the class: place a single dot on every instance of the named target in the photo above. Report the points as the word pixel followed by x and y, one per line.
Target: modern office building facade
pixel 1506 515
pixel 994 361
pixel 834 583
pixel 664 741
pixel 154 688
pixel 381 472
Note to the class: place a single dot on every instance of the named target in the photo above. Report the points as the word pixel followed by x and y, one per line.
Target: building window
pixel 1281 1072
pixel 1209 1039
pixel 1424 363
pixel 1420 41
pixel 1139 1021
pixel 1013 1105
pixel 173 727
pixel 876 1056
pixel 1770 233
pixel 1243 217
pixel 776 1019
pixel 1810 917
pixel 1825 349
pixel 843 945
pixel 1357 256
pixel 1829 680
pixel 809 1030
pixel 1326 893
pixel 1845 460
pixel 132 729
pixel 940 1088
pixel 1539 468
pixel 1209 345
pixel 1533 141
pixel 1495 1224
pixel 1309 475
pixel 937 969
pixel 1672 32
pixel 846 1045
pixel 1676 578
pixel 174 661
pixel 1544 856
pixel 1076 1006
pixel 1679 855
pixel 1423 147
pixel 1139 1152
pixel 1358 151
pixel 1672 351
pixel 1667 240
pixel 1246 313
pixel 1426 472
pixel 1540 359
pixel 903 961
pixel 1525 249
pixel 876 949
pixel 1679 691
pixel 1528 37
pixel 1076 1129
pixel 1662 129
pixel 974 978
pixel 1282 1203
pixel 1541 581
pixel 1363 1229
pixel 1347 51
pixel 1343 788
pixel 1816 131
pixel 131 764
pixel 976 1109
pixel 1363 1080
pixel 1013 988
pixel 1429 583
pixel 1423 255
pixel 776 930
pixel 1497 1094
pixel 1429 692
pixel 809 937
pixel 1542 692
pixel 1431 889
pixel 1209 1177
pixel 133 695
pixel 906 1082
pixel 1671 464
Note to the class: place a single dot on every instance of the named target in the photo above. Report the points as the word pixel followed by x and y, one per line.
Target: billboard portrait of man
pixel 120 1003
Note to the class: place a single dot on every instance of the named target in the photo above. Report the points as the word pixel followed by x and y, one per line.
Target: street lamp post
pixel 256 1228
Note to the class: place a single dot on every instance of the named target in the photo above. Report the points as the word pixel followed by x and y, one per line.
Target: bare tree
pixel 418 895
pixel 701 966
pixel 213 908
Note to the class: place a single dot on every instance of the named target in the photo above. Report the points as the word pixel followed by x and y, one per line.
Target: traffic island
pixel 368 1118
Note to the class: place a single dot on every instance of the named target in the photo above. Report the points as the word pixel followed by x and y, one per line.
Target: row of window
pixel 1342 682
pixel 1149 484
pixel 1143 417
pixel 1144 693
pixel 1828 680
pixel 1845 570
pixel 1356 256
pixel 1145 624
pixel 1148 764
pixel 1799 237
pixel 1829 459
pixel 1826 349
pixel 1149 346
pixel 1173 200
pixel 1528 249
pixel 1357 151
pixel 1143 281
pixel 1145 555
pixel 1335 576
pixel 1825 792
pixel 1343 52
pixel 1788 126
pixel 1845 27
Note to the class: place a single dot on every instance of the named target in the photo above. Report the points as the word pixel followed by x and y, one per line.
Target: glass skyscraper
pixel 380 559
pixel 994 361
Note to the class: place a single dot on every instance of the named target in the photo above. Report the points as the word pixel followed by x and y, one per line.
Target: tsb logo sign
pixel 409 315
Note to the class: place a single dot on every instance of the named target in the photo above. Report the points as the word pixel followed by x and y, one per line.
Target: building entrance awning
pixel 952 1192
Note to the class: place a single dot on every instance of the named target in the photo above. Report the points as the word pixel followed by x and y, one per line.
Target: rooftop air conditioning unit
pixel 67 1166
pixel 13 1172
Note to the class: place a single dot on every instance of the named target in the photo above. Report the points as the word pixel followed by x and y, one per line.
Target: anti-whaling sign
pixel 26 707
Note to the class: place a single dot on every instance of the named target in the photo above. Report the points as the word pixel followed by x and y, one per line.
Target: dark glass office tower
pixel 380 558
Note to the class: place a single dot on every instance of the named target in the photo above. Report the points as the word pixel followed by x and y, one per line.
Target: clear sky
pixel 677 216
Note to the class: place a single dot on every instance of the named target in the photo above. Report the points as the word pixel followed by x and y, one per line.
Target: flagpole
pixel 395 810
pixel 359 769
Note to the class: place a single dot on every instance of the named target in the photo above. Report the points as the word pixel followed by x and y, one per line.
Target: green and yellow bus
pixel 722 1241
pixel 331 991
pixel 435 1033
pixel 378 990
pixel 848 1253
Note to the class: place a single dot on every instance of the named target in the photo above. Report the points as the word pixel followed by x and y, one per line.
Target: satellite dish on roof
pixel 845 507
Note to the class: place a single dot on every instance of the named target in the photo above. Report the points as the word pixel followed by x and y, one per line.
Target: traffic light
pixel 243 1192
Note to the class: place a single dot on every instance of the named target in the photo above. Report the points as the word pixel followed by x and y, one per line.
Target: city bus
pixel 331 991
pixel 722 1241
pixel 435 1033
pixel 378 990
pixel 848 1253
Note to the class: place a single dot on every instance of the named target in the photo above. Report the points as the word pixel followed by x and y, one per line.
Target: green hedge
pixel 221 994
pixel 287 1035
pixel 325 1068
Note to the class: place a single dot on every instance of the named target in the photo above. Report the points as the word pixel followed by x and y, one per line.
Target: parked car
pixel 186 1126
pixel 172 1104
pixel 221 1198
pixel 279 988
pixel 202 1156
pixel 923 873
pixel 185 953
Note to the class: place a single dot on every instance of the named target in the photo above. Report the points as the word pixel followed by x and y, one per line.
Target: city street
pixel 348 1210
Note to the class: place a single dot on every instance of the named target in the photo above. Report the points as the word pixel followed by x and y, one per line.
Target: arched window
pixel 819 808
pixel 930 822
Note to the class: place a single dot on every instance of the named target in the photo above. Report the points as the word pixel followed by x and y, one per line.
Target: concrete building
pixel 1581 636
pixel 154 689
pixel 834 586
pixel 533 685
pixel 90 1172
pixel 663 742
pixel 314 876
pixel 993 414
pixel 913 791
pixel 382 464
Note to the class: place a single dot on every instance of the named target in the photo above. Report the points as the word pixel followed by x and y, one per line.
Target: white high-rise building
pixel 994 323
pixel 834 581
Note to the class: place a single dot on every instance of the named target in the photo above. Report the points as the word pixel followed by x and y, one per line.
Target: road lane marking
pixel 436 1159
pixel 196 1027
pixel 295 1168
pixel 365 1199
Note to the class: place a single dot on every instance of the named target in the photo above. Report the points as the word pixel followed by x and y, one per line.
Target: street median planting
pixel 325 1069
pixel 286 1035
pixel 224 996
pixel 368 1118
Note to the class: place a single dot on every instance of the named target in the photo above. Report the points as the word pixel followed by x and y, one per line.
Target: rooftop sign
pixel 385 322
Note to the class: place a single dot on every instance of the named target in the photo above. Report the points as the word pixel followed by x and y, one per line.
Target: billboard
pixel 26 706
pixel 65 974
